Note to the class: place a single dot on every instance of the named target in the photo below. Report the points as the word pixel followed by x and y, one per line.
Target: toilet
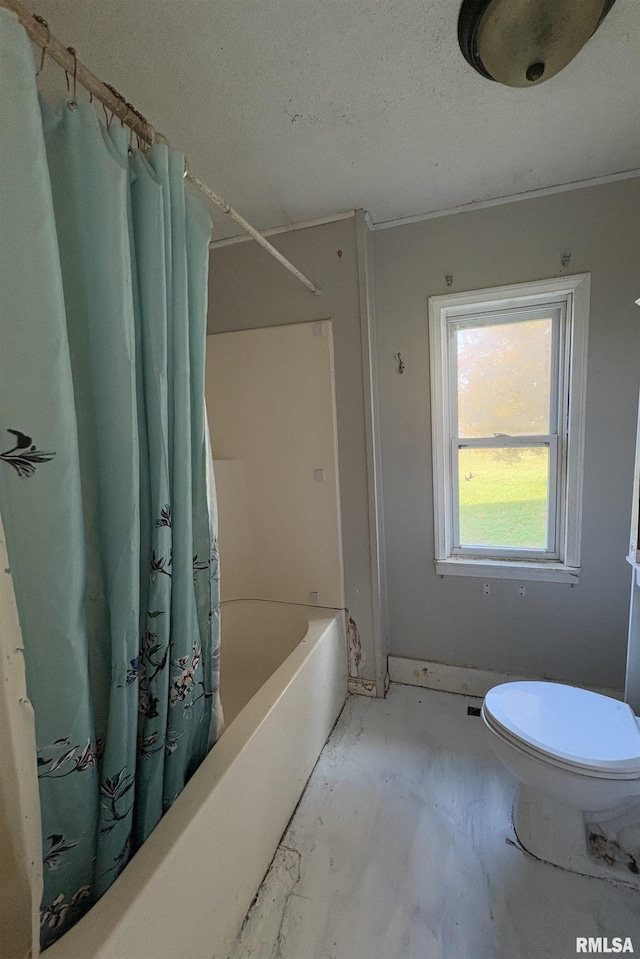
pixel 576 756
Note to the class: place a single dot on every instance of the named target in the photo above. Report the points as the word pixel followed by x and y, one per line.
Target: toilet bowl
pixel 576 756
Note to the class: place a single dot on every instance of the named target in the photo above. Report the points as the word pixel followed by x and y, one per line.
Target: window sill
pixel 508 569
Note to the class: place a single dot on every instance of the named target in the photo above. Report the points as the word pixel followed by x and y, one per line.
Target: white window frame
pixel 568 297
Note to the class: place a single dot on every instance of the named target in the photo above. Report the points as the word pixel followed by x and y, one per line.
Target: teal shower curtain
pixel 106 486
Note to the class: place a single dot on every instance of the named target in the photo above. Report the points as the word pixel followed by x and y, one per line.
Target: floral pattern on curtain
pixel 106 484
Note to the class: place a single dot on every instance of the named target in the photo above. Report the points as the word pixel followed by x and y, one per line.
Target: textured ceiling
pixel 294 109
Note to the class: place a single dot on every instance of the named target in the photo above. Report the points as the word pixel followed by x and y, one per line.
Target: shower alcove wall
pixel 271 407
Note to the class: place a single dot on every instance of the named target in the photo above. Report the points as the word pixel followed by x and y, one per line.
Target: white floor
pixel 400 849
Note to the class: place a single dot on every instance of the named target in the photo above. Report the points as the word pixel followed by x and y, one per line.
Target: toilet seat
pixel 573 728
pixel 549 760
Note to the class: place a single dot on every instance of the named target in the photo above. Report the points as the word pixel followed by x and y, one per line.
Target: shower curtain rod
pixel 38 31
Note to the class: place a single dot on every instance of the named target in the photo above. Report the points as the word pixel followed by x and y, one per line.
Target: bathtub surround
pixel 188 889
pixel 246 292
pixel 576 634
pixel 271 408
pixel 109 518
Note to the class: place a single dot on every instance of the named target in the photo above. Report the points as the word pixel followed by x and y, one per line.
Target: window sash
pixel 552 442
pixel 556 312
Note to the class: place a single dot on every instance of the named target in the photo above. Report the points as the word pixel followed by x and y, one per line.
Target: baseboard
pixel 362 687
pixel 460 679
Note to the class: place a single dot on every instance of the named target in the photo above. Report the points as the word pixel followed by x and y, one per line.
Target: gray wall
pixel 576 634
pixel 249 289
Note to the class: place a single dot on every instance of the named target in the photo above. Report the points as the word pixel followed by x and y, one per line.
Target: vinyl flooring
pixel 402 848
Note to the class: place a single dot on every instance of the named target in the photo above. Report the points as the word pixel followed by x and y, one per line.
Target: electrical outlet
pixel 485 589
pixel 522 591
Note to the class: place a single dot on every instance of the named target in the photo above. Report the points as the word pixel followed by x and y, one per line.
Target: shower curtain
pixel 106 486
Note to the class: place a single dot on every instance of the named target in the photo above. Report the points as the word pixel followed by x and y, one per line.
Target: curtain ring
pixel 43 22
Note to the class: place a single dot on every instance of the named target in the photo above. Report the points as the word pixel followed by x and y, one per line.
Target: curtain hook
pixel 66 76
pixel 43 22
pixel 75 71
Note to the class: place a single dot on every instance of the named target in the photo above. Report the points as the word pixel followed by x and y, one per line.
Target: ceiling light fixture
pixel 522 43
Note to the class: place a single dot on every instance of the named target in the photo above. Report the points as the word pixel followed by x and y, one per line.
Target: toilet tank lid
pixel 576 725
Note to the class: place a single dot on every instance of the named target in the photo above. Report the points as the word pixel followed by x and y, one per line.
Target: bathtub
pixel 186 892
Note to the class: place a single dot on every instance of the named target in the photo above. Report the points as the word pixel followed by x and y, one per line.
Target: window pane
pixel 503 496
pixel 504 378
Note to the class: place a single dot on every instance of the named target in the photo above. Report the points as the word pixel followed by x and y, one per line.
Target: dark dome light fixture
pixel 524 42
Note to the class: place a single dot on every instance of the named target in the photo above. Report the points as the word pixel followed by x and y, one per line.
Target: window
pixel 508 377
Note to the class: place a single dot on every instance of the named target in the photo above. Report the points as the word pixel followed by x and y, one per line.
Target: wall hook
pixel 400 363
